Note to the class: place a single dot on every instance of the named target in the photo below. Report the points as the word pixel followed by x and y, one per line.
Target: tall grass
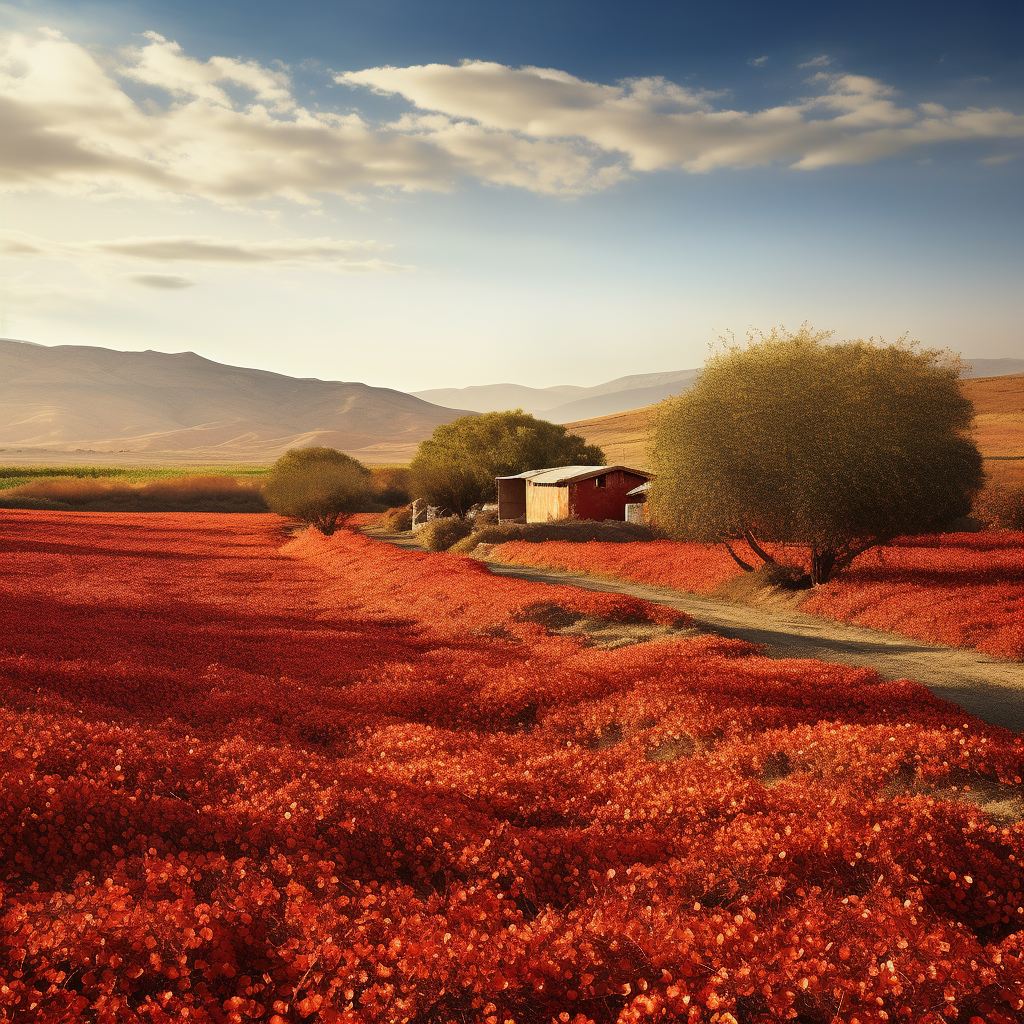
pixel 207 493
pixel 16 476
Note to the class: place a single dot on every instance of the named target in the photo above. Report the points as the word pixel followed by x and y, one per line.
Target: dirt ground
pixel 989 688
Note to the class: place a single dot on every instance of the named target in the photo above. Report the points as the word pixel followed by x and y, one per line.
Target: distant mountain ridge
pixel 63 398
pixel 566 403
pixel 73 403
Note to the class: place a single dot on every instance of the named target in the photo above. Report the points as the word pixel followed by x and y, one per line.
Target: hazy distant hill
pixel 70 397
pixel 567 402
pixel 76 403
pixel 993 367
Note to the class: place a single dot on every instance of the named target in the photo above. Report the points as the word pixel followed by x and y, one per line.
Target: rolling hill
pixel 76 403
pixel 81 404
pixel 567 403
pixel 998 426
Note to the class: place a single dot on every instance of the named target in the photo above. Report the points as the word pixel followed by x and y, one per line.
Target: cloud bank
pixel 159 121
pixel 333 254
pixel 164 282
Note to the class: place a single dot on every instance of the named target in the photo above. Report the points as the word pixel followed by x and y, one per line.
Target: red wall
pixel 587 501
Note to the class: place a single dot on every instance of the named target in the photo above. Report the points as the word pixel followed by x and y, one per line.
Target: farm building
pixel 585 492
pixel 636 503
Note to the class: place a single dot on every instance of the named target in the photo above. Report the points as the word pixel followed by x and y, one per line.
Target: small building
pixel 582 492
pixel 636 503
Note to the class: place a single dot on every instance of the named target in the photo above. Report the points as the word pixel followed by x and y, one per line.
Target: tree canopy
pixel 835 446
pixel 456 467
pixel 320 486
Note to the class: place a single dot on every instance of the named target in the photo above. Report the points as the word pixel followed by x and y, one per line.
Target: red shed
pixel 585 492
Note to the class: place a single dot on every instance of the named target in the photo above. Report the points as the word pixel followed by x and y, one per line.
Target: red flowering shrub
pixel 343 782
pixel 960 589
pixel 698 568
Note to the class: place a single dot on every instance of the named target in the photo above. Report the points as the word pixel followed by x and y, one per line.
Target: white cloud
pixel 233 131
pixel 756 62
pixel 656 125
pixel 817 62
pixel 167 282
pixel 330 253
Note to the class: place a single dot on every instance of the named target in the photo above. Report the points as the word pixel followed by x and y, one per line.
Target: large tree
pixel 320 486
pixel 794 439
pixel 456 467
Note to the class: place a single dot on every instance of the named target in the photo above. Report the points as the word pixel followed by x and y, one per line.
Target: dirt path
pixel 990 688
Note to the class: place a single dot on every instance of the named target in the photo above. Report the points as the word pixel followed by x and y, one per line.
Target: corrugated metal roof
pixel 568 474
pixel 642 489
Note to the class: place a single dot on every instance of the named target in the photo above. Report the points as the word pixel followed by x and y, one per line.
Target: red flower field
pixel 327 780
pixel 959 589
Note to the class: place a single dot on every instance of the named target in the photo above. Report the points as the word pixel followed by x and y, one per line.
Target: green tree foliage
pixel 836 446
pixel 455 468
pixel 320 486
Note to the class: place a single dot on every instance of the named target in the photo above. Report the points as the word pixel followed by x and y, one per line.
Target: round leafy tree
pixel 320 486
pixel 839 447
pixel 455 468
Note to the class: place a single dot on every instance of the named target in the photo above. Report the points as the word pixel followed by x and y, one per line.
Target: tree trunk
pixel 745 566
pixel 326 524
pixel 757 549
pixel 822 563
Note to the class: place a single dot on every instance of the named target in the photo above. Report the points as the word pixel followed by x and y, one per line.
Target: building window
pixel 601 481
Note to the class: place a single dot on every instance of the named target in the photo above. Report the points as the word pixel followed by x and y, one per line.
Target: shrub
pixel 838 447
pixel 320 486
pixel 491 534
pixel 399 520
pixel 487 515
pixel 392 485
pixel 578 531
pixel 441 534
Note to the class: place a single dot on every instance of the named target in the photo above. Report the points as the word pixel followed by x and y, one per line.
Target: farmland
pixel 18 476
pixel 325 779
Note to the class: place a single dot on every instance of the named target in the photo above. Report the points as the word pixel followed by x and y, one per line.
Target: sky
pixel 419 194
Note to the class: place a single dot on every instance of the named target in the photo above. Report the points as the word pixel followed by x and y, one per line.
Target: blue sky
pixel 420 194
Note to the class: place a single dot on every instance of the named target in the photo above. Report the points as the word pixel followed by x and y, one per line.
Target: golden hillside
pixel 998 428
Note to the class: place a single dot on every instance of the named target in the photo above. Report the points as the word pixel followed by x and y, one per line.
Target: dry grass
pixel 176 494
pixel 996 394
pixel 1004 472
pixel 622 436
pixel 595 631
pixel 396 520
pixel 999 434
pixel 441 534
pixel 1003 803
pixel 769 586
pixel 573 530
